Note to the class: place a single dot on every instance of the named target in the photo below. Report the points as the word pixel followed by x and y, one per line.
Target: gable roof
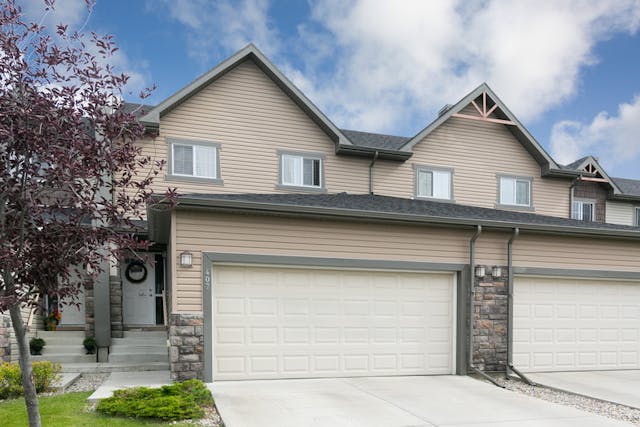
pixel 517 129
pixel 249 52
pixel 628 187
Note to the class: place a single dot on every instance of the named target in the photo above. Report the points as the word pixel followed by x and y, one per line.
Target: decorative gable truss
pixel 590 170
pixel 488 109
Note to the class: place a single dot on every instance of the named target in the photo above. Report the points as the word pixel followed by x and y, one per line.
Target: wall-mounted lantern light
pixel 496 271
pixel 480 272
pixel 186 259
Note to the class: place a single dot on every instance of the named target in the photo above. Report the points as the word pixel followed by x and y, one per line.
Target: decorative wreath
pixel 136 272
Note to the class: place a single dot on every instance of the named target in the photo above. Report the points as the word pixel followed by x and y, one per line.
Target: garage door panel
pixel 576 324
pixel 301 323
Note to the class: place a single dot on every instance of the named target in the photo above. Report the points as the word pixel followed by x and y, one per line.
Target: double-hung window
pixel 194 160
pixel 636 219
pixel 515 191
pixel 433 183
pixel 301 170
pixel 583 210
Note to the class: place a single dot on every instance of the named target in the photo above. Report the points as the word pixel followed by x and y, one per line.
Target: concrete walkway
pixel 120 380
pixel 389 402
pixel 614 386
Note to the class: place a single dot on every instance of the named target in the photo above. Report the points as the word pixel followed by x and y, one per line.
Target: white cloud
pixel 77 16
pixel 217 27
pixel 397 63
pixel 614 139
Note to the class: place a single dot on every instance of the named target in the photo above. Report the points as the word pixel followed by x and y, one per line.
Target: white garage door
pixel 276 322
pixel 576 324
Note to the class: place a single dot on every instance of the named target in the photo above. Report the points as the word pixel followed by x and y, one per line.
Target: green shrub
pixel 179 401
pixel 45 373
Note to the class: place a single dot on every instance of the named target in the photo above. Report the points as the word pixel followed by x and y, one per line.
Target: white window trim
pixel 425 168
pixel 636 216
pixel 303 156
pixel 502 204
pixel 584 202
pixel 172 175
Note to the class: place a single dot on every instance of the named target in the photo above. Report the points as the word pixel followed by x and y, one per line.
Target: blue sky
pixel 570 70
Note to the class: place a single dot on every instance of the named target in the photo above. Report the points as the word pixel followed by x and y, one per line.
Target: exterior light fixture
pixel 186 259
pixel 480 271
pixel 496 271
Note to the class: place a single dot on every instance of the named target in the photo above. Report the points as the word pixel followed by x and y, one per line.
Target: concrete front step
pixel 145 334
pixel 63 349
pixel 66 358
pixel 100 368
pixel 138 349
pixel 139 357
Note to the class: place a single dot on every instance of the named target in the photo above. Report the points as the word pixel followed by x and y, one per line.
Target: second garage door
pixel 279 322
pixel 576 324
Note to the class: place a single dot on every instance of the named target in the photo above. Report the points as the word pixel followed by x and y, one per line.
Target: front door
pixel 73 313
pixel 139 293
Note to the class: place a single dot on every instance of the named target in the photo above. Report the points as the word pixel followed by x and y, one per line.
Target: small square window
pixel 193 160
pixel 583 210
pixel 433 183
pixel 301 171
pixel 515 191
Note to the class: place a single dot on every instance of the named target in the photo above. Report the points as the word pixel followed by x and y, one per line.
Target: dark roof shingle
pixel 395 205
pixel 375 140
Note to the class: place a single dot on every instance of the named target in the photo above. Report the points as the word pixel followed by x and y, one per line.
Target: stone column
pixel 116 307
pixel 5 338
pixel 490 321
pixel 186 351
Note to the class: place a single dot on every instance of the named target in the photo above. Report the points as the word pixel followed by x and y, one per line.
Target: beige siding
pixel 251 118
pixel 202 232
pixel 477 151
pixel 620 213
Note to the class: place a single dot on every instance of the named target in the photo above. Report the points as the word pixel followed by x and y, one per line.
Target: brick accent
pixel 115 301
pixel 490 308
pixel 186 350
pixel 5 338
pixel 593 191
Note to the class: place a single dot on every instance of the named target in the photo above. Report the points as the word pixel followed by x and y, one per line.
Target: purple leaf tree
pixel 72 179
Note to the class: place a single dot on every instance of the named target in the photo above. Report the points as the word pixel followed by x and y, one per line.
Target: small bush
pixel 45 373
pixel 179 401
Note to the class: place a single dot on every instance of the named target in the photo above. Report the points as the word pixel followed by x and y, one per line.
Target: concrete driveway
pixel 615 386
pixel 388 402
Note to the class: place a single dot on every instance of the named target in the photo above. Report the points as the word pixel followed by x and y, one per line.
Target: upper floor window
pixel 191 159
pixel 583 210
pixel 515 191
pixel 636 219
pixel 434 183
pixel 301 170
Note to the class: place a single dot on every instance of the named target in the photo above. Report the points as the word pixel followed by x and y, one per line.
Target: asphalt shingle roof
pixel 375 140
pixel 427 208
pixel 629 187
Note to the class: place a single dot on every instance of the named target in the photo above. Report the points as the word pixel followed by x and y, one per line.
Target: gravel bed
pixel 87 382
pixel 595 406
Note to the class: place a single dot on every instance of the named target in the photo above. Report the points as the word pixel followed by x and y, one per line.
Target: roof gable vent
pixel 444 109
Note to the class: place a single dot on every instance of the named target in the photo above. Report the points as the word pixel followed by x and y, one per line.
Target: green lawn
pixel 64 410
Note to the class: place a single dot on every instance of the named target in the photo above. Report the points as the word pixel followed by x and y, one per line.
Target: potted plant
pixel 36 345
pixel 90 345
pixel 53 319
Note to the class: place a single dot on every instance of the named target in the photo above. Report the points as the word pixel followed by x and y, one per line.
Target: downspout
pixel 510 367
pixel 571 187
pixel 373 161
pixel 472 263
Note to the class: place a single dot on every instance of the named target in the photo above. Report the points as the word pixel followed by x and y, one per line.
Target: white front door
pixel 138 289
pixel 279 322
pixel 576 324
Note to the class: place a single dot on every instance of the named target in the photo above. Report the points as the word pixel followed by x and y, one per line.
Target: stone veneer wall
pixel 115 297
pixel 593 191
pixel 5 338
pixel 490 309
pixel 90 320
pixel 186 351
